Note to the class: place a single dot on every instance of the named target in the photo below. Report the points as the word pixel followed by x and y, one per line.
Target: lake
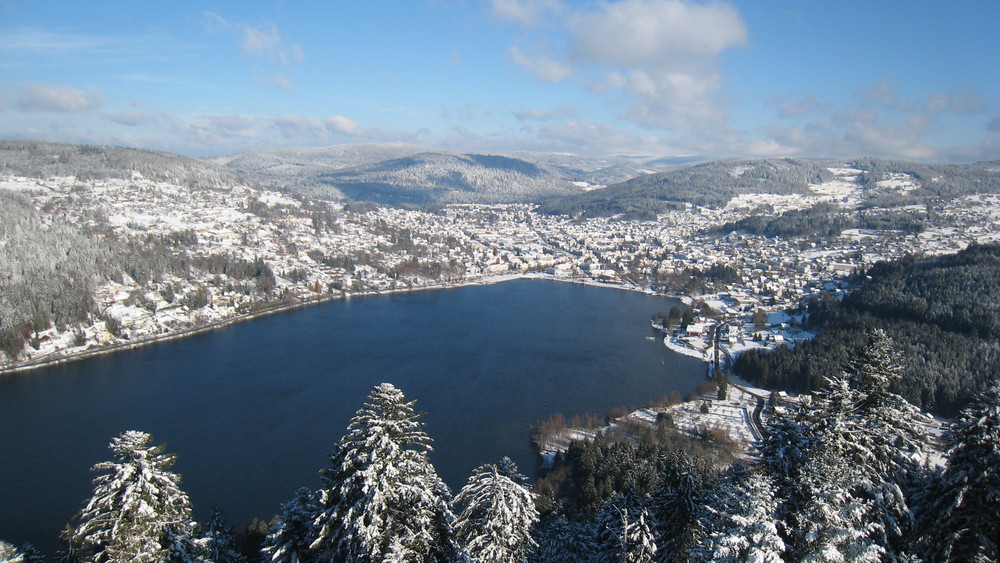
pixel 253 410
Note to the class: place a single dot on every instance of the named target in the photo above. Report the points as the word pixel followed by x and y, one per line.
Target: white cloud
pixel 600 139
pixel 262 42
pixel 656 33
pixel 563 111
pixel 219 133
pixel 543 67
pixel 266 42
pixel 38 97
pixel 966 102
pixel 800 107
pixel 132 118
pixel 526 12
pixel 341 124
pixel 215 23
pixel 282 81
pixel 661 54
pixel 297 127
pixel 857 131
pixel 884 94
pixel 43 41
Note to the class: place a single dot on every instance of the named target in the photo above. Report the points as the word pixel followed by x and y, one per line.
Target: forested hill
pixel 942 312
pixel 36 159
pixel 398 174
pixel 880 184
pixel 438 177
pixel 710 184
pixel 58 245
pixel 932 180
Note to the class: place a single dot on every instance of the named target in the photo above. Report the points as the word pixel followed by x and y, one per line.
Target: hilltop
pixel 36 159
pixel 403 174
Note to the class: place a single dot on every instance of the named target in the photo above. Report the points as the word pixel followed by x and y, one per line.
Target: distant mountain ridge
pixel 37 159
pixel 434 177
pixel 410 174
pixel 406 174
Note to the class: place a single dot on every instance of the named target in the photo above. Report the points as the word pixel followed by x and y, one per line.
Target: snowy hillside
pixel 302 168
pixel 401 174
pixel 435 177
pixel 411 174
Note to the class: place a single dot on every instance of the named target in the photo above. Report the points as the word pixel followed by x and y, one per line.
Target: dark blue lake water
pixel 252 411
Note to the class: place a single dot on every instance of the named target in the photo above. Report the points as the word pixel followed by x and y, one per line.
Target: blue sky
pixel 915 80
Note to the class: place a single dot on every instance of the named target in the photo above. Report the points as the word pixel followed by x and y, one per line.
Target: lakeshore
pixel 59 356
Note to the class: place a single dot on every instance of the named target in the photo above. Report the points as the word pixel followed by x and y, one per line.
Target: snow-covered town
pixel 318 250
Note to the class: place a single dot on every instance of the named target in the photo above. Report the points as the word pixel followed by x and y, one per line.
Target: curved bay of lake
pixel 252 411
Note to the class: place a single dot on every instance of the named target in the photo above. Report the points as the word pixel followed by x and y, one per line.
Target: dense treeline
pixel 825 220
pixel 943 313
pixel 838 478
pixel 956 292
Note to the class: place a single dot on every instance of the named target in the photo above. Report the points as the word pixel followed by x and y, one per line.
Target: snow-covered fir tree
pixel 31 554
pixel 293 532
pixel 852 452
pixel 217 541
pixel 9 553
pixel 842 500
pixel 495 516
pixel 509 469
pixel 674 503
pixel 736 520
pixel 964 522
pixel 138 511
pixel 891 431
pixel 562 541
pixel 382 500
pixel 836 522
pixel 625 531
pixel 784 450
pixel 28 553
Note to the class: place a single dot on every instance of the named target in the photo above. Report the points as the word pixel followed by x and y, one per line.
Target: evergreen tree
pixel 218 543
pixel 891 429
pixel 737 520
pixel 508 468
pixel 9 553
pixel 562 541
pixel 855 451
pixel 291 535
pixel 674 503
pixel 495 524
pixel 784 450
pixel 382 499
pixel 138 511
pixel 837 521
pixel 844 500
pixel 625 531
pixel 31 554
pixel 964 523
